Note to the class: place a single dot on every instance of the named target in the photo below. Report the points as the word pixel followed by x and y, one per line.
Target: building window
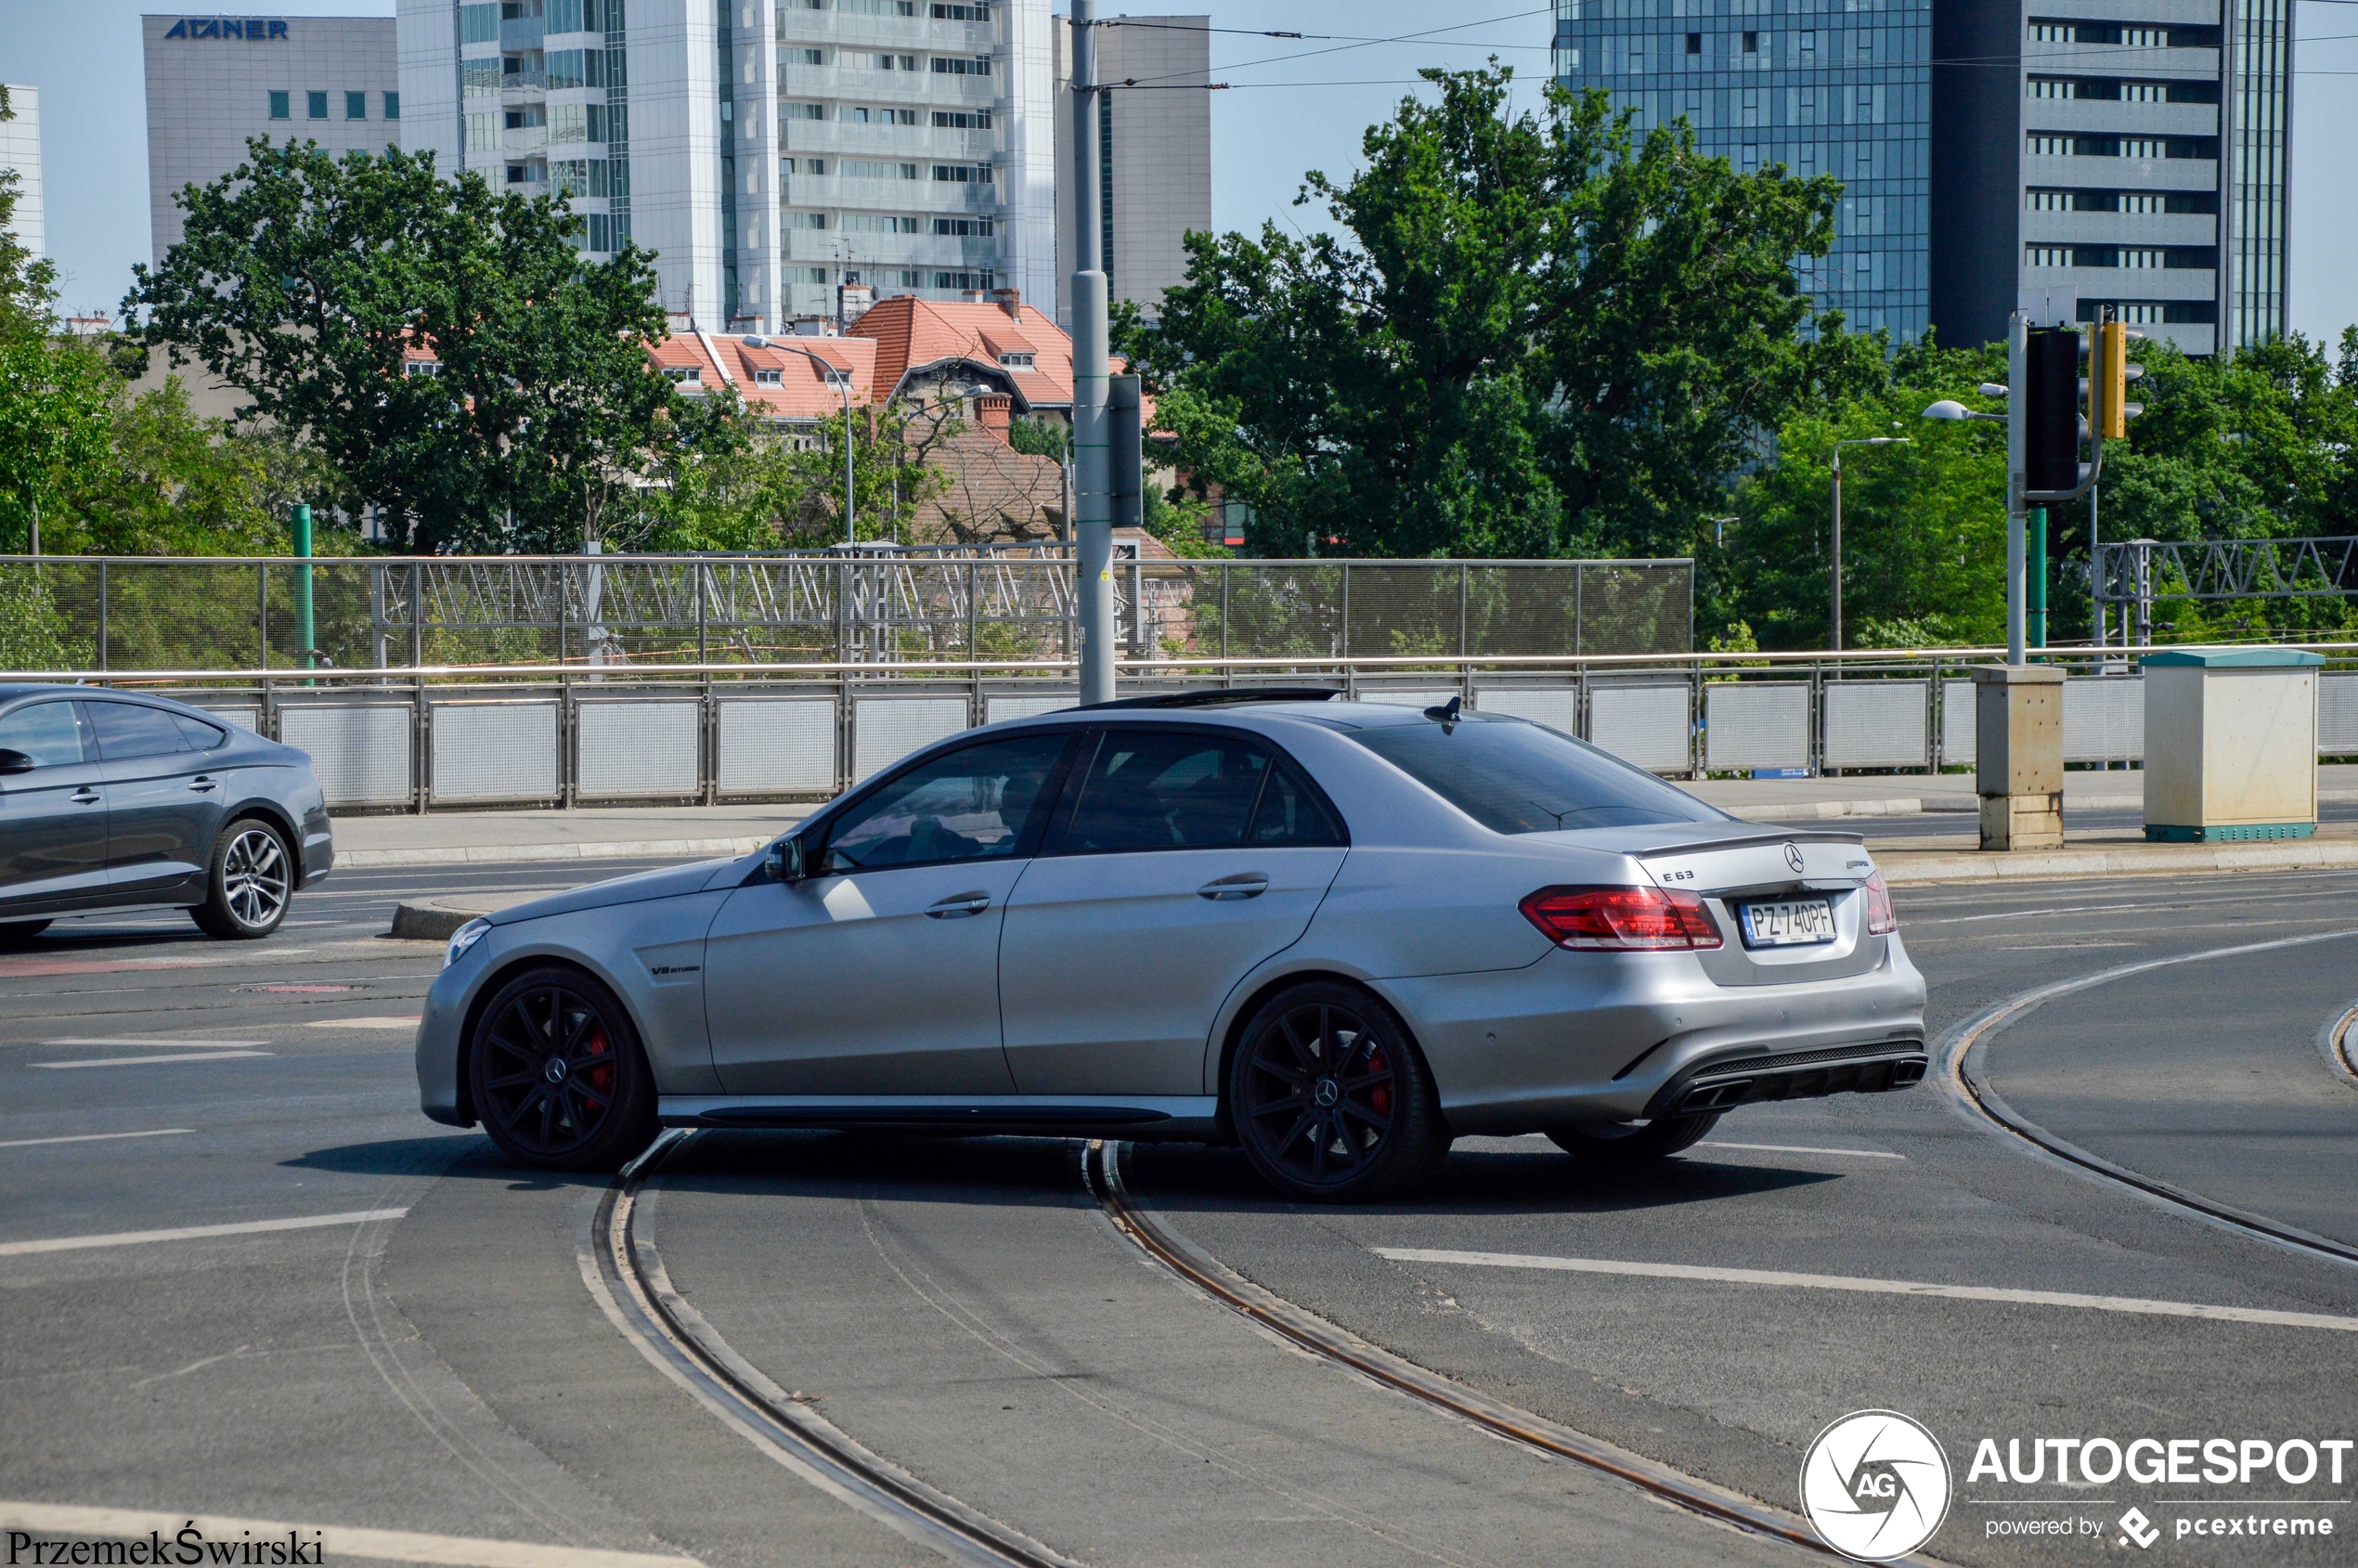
pixel 428 368
pixel 802 220
pixel 685 375
pixel 2040 145
pixel 356 106
pixel 1809 45
pixel 2046 256
pixel 2047 201
pixel 393 106
pixel 962 120
pixel 1751 42
pixel 982 227
pixel 961 13
pixel 1694 43
pixel 279 107
pixel 479 24
pixel 805 111
pixel 1017 361
pixel 316 103
pixel 960 65
pixel 806 57
pixel 865 169
pixel 896 62
pixel 963 173
pixel 966 281
pixel 769 378
pixel 806 274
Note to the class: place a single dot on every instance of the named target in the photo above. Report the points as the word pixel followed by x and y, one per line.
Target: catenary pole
pixel 1093 503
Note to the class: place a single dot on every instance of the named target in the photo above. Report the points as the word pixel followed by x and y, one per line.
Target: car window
pixel 199 734
pixel 1517 777
pixel 969 805
pixel 1289 814
pixel 45 732
pixel 128 729
pixel 1166 789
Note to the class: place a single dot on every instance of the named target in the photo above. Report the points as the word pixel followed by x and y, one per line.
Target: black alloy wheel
pixel 557 1074
pixel 1330 1098
pixel 1631 1143
pixel 248 879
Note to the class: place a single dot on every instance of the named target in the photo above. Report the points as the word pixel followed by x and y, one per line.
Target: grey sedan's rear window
pixel 1515 777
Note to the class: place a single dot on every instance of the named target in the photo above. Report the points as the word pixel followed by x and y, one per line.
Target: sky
pixel 1293 105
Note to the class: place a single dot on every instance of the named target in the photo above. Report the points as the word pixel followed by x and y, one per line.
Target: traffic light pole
pixel 1092 493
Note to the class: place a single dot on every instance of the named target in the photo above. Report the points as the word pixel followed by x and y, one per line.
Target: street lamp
pixel 841 379
pixel 1856 441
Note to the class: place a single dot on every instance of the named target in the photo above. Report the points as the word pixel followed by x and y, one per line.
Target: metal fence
pixel 124 614
pixel 419 739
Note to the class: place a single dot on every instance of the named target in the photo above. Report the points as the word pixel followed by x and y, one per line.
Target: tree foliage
pixel 306 282
pixel 1537 334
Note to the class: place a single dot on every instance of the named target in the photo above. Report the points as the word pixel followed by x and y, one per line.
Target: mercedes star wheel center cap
pixel 555 1071
pixel 1326 1093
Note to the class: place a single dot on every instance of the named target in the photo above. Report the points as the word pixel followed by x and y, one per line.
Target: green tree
pixel 53 390
pixel 1538 334
pixel 308 283
pixel 1923 524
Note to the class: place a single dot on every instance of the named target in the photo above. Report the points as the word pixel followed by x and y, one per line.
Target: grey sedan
pixel 113 801
pixel 1336 934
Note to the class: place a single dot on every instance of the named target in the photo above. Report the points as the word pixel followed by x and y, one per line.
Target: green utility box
pixel 2231 745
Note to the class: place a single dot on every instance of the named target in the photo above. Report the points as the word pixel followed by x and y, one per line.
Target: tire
pixel 250 880
pixel 1332 1100
pixel 15 931
pixel 557 1074
pixel 1624 1144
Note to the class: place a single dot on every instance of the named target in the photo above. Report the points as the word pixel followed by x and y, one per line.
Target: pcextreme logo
pixel 1876 1486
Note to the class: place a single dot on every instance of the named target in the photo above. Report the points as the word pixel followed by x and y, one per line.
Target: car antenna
pixel 1449 715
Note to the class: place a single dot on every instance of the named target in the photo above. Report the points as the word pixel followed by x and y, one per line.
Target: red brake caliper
pixel 600 1076
pixel 1380 1096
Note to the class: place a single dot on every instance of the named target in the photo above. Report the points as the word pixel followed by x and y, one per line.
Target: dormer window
pixel 769 378
pixel 422 368
pixel 1015 361
pixel 686 375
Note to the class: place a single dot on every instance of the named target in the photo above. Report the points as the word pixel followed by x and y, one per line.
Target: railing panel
pixel 1001 705
pixel 486 751
pixel 1556 707
pixel 1409 697
pixel 2104 719
pixel 638 747
pixel 885 730
pixel 2337 715
pixel 362 752
pixel 1875 724
pixel 1648 723
pixel 777 746
pixel 1959 724
pixel 1752 724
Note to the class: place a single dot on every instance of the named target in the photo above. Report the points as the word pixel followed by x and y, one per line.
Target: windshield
pixel 1512 777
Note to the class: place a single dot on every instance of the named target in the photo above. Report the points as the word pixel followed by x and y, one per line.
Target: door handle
pixel 86 795
pixel 959 905
pixel 1244 885
pixel 200 783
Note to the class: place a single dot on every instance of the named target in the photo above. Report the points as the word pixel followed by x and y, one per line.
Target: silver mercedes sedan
pixel 1335 934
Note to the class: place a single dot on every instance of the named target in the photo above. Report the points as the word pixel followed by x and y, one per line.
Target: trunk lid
pixel 1751 864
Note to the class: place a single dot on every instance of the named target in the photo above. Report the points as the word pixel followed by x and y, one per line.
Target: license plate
pixel 1788 923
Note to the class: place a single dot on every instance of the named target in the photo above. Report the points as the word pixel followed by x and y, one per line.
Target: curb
pixel 468 854
pixel 2059 865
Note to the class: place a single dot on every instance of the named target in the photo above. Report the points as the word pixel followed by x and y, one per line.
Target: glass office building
pixel 1842 90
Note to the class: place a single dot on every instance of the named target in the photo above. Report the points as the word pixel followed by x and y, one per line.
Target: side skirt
pixel 1181 1118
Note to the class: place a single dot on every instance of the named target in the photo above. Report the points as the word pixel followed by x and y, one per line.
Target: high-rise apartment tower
pixel 769 152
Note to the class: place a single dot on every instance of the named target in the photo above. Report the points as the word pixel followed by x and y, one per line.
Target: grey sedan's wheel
pixel 558 1076
pixel 14 931
pixel 1631 1143
pixel 1331 1099
pixel 248 879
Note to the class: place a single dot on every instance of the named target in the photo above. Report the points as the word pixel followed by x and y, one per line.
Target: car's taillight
pixel 1882 919
pixel 1620 918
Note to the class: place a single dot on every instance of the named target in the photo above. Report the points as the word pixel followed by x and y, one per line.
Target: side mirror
pixel 14 762
pixel 785 860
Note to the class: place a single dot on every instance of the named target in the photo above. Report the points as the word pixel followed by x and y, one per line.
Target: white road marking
pixel 336 1540
pixel 1804 1149
pixel 1875 1287
pixel 146 1061
pixel 170 1044
pixel 94 1137
pixel 392 1022
pixel 195 1232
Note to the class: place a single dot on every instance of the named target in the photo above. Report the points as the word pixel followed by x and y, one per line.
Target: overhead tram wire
pixel 1371 43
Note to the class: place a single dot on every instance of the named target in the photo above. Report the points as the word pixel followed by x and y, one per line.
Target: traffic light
pixel 2051 410
pixel 2109 374
pixel 1125 441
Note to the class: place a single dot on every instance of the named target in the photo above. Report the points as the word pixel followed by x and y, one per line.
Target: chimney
pixel 974 296
pixel 1010 301
pixel 853 301
pixel 992 412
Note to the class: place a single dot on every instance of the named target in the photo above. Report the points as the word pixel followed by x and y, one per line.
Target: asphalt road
pixel 963 1309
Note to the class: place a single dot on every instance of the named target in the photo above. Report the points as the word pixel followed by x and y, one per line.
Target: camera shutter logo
pixel 1876 1484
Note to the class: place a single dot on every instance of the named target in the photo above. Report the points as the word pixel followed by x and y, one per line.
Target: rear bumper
pixel 1585 1036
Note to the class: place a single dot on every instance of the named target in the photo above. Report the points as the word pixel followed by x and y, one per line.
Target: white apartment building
pixel 21 151
pixel 213 81
pixel 769 152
